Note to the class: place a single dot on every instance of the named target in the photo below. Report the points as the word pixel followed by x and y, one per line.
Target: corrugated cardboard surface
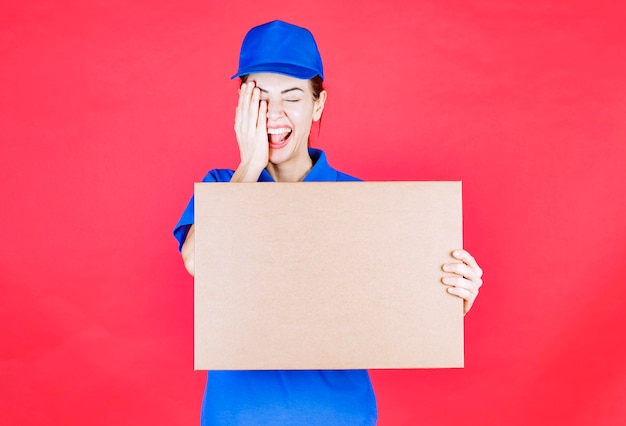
pixel 326 275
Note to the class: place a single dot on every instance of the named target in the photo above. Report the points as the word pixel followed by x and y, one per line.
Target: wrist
pixel 247 172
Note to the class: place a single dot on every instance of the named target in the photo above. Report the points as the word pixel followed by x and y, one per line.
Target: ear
pixel 318 106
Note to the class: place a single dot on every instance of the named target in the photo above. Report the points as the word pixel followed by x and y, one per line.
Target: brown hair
pixel 317 86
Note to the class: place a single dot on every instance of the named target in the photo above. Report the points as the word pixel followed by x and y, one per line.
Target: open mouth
pixel 279 137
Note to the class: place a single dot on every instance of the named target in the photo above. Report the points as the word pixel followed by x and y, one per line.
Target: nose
pixel 274 110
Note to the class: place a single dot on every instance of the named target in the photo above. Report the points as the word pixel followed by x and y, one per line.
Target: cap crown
pixel 281 48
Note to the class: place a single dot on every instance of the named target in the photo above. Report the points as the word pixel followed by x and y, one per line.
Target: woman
pixel 281 95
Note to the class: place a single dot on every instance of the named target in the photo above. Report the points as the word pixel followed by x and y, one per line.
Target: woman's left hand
pixel 467 278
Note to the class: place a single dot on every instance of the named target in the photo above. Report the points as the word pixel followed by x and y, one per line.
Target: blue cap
pixel 280 48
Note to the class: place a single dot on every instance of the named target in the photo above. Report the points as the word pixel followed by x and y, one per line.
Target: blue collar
pixel 320 172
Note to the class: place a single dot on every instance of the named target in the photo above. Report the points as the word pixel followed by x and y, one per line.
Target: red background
pixel 109 111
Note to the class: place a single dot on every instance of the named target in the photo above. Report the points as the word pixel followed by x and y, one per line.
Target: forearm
pixel 188 251
pixel 244 173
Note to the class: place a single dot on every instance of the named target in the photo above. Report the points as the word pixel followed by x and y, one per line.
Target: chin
pixel 278 157
pixel 285 154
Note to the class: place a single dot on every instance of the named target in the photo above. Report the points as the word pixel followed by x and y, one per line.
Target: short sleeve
pixel 186 219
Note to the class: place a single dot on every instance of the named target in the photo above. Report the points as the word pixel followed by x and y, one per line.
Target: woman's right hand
pixel 251 132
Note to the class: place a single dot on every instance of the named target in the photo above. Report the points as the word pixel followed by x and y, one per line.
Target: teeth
pixel 278 131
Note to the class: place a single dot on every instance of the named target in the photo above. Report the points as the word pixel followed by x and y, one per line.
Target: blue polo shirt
pixel 285 397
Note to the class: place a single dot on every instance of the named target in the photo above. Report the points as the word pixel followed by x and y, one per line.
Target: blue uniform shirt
pixel 311 397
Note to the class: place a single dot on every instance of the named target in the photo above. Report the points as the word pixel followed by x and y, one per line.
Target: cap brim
pixel 290 70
